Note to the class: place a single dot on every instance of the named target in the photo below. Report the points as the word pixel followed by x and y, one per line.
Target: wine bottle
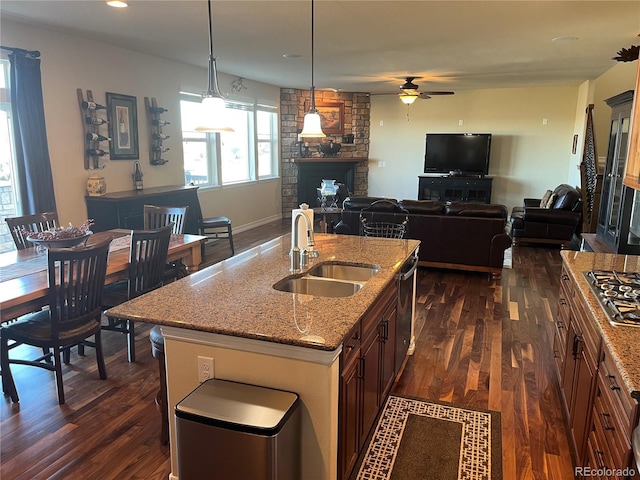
pixel 160 149
pixel 159 123
pixel 157 110
pixel 96 152
pixel 160 136
pixel 137 177
pixel 93 106
pixel 95 121
pixel 96 137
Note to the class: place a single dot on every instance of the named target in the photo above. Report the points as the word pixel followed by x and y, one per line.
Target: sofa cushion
pixel 545 199
pixel 358 203
pixel 425 207
pixel 567 197
pixel 476 210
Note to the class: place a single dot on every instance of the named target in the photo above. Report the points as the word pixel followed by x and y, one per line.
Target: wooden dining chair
pixel 76 284
pixel 39 222
pixel 147 260
pixel 158 217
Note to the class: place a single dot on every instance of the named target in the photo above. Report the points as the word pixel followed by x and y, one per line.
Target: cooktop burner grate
pixel 619 294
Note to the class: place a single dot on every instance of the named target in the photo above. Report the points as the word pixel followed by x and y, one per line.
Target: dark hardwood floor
pixel 481 342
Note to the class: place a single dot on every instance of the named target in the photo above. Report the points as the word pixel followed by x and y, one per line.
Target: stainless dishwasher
pixel 406 308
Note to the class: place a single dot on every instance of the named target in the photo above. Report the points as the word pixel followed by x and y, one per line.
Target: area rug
pixel 419 439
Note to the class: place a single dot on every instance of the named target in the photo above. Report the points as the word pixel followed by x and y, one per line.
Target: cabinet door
pixel 350 400
pixel 582 401
pixel 370 382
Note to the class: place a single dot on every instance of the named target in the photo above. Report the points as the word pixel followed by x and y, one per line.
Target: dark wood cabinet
pixel 455 189
pixel 368 371
pixel 125 209
pixel 600 413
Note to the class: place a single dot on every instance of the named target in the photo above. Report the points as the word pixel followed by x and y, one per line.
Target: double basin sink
pixel 329 280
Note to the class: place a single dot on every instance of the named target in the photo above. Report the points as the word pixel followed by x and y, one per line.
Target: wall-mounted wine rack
pixel 156 123
pixel 92 136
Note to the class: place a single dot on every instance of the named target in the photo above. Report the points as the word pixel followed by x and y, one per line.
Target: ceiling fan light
pixel 117 3
pixel 408 98
pixel 311 126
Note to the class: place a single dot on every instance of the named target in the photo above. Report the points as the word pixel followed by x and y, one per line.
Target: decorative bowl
pixel 330 149
pixel 60 242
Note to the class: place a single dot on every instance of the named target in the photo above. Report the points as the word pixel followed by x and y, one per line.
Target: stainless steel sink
pixel 339 271
pixel 321 287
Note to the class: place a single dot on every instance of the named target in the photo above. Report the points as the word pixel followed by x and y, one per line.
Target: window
pixel 7 159
pixel 247 154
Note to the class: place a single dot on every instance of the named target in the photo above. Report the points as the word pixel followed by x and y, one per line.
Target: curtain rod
pixel 20 51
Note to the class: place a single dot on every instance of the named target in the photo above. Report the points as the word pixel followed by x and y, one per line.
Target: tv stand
pixel 455 188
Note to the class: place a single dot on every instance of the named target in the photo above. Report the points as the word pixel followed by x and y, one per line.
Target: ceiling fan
pixel 410 92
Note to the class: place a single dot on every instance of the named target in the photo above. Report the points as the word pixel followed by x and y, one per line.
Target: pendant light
pixel 213 112
pixel 311 126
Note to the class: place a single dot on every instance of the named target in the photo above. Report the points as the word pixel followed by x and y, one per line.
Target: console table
pixel 125 209
pixel 455 189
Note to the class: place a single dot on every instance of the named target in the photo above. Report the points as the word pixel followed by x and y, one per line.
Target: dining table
pixel 23 273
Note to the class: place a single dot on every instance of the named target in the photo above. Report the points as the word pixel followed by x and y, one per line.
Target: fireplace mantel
pixel 328 159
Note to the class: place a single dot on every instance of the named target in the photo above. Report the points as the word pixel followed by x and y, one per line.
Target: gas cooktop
pixel 619 295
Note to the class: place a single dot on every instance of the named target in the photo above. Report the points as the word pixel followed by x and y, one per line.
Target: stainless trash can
pixel 228 430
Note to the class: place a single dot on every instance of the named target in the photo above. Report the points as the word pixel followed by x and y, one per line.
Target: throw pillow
pixel 545 199
pixel 551 201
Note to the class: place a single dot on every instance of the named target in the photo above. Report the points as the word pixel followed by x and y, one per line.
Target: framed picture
pixel 123 126
pixel 331 116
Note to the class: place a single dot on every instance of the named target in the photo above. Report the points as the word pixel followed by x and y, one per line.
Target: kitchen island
pixel 255 334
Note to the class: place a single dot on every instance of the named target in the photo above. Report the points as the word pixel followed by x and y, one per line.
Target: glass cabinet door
pixel 617 174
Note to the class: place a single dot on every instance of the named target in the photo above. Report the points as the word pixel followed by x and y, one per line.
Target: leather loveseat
pixel 463 236
pixel 555 223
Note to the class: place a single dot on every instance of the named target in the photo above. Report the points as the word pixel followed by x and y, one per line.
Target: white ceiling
pixel 363 45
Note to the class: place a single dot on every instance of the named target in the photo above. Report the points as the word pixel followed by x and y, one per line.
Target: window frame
pixel 213 144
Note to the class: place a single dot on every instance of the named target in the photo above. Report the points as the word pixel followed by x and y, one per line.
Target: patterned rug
pixel 418 439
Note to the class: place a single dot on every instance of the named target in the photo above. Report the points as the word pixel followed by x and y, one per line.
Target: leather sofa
pixel 555 224
pixel 463 236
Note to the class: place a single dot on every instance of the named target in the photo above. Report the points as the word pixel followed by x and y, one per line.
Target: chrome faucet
pixel 299 260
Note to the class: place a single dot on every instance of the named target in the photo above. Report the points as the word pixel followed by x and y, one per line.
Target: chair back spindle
pixel 40 222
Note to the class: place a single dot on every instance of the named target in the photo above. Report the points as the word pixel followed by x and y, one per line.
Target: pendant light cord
pixel 210 89
pixel 313 88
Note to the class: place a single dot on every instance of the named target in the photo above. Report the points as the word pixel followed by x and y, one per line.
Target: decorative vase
pixel 96 185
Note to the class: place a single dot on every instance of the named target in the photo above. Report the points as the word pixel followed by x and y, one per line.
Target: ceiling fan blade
pixel 437 93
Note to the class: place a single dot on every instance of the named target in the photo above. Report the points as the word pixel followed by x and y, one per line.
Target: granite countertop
pixel 623 342
pixel 235 297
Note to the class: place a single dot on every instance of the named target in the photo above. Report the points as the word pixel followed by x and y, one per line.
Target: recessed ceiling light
pixel 117 3
pixel 564 39
pixel 291 55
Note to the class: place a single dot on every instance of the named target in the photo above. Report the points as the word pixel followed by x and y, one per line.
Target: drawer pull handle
pixel 565 277
pixel 560 323
pixel 612 382
pixel 562 301
pixel 576 346
pixel 605 422
pixel 600 459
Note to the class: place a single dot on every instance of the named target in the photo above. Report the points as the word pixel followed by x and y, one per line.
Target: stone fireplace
pixel 302 175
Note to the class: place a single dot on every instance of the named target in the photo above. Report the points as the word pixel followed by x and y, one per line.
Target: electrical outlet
pixel 205 368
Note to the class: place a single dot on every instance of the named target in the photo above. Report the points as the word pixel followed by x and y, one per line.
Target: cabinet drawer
pixel 619 398
pixel 608 423
pixel 587 327
pixel 351 344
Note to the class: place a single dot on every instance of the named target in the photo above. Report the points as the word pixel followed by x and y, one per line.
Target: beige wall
pixel 69 63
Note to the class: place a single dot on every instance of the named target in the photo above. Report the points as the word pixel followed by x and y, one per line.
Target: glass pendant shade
pixel 213 116
pixel 311 126
pixel 408 98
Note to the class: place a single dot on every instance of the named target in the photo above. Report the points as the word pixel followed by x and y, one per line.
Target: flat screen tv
pixel 457 153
